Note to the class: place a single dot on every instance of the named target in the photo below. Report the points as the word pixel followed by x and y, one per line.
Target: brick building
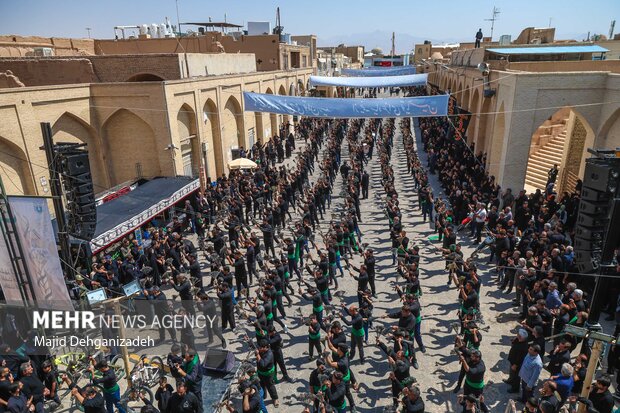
pixel 142 115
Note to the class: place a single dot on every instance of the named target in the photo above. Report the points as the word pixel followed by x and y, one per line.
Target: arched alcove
pixel 16 173
pixel 190 143
pixel 71 128
pixel 130 143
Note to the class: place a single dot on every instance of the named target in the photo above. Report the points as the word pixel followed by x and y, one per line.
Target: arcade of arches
pixel 139 129
pixel 525 122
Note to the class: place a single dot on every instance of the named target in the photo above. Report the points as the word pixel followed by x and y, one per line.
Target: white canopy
pixel 242 163
pixel 376 81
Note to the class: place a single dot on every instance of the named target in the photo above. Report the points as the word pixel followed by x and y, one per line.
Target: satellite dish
pixel 484 68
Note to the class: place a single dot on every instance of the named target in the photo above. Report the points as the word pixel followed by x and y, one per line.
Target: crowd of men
pixel 275 232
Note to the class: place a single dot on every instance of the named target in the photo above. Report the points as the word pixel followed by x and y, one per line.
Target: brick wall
pixel 121 68
pixel 46 71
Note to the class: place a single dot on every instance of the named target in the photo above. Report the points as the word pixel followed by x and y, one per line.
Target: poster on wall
pixel 8 278
pixel 34 229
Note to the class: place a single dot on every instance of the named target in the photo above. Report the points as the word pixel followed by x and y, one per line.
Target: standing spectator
pixel 111 390
pixel 552 174
pixel 33 389
pixel 183 401
pixel 365 184
pixel 530 371
pixel 191 371
pixel 600 396
pixel 518 351
pixel 478 39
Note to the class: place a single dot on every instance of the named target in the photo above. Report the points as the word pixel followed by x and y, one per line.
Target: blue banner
pixel 376 81
pixel 380 71
pixel 347 108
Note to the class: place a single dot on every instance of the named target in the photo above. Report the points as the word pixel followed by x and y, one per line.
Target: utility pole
pixel 597 349
pixel 178 20
pixel 496 13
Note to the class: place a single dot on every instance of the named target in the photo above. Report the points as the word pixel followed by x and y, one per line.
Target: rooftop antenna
pixel 496 13
pixel 550 19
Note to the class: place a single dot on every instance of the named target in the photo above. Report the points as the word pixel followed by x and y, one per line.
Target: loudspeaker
pixel 587 261
pixel 82 210
pixel 220 361
pixel 588 194
pixel 235 153
pixel 76 164
pixel 594 217
pixel 78 185
pixel 600 176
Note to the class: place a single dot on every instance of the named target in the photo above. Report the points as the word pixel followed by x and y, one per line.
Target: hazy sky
pixel 438 20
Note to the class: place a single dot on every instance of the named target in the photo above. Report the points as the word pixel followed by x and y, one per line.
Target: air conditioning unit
pixel 43 51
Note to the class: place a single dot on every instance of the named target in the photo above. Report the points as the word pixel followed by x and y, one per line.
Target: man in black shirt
pixel 600 396
pixel 357 330
pixel 50 380
pixel 369 262
pixel 365 182
pixel 276 344
pixel 335 392
pixel 91 400
pixel 32 386
pixel 266 369
pixel 268 238
pixel 5 383
pixel 207 305
pixel 251 397
pixel 225 296
pixel 194 270
pixel 111 390
pixel 184 287
pixel 241 275
pixel 191 371
pixel 182 401
pixel 412 401
pixel 558 356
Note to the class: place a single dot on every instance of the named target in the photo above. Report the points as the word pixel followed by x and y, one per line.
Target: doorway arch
pixel 188 139
pixel 232 126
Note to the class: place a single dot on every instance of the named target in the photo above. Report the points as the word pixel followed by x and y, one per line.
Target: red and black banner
pixel 459 118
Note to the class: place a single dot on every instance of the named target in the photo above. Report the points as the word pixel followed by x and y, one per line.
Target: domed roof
pixel 437 56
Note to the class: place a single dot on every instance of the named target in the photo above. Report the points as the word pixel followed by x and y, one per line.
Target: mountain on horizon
pixel 379 38
pixel 405 41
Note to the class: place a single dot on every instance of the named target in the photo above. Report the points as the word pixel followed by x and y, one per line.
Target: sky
pixel 333 21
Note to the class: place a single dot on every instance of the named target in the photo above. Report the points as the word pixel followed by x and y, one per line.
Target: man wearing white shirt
pixel 479 219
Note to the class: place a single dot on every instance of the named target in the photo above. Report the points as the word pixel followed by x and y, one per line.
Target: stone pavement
pixel 438 367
